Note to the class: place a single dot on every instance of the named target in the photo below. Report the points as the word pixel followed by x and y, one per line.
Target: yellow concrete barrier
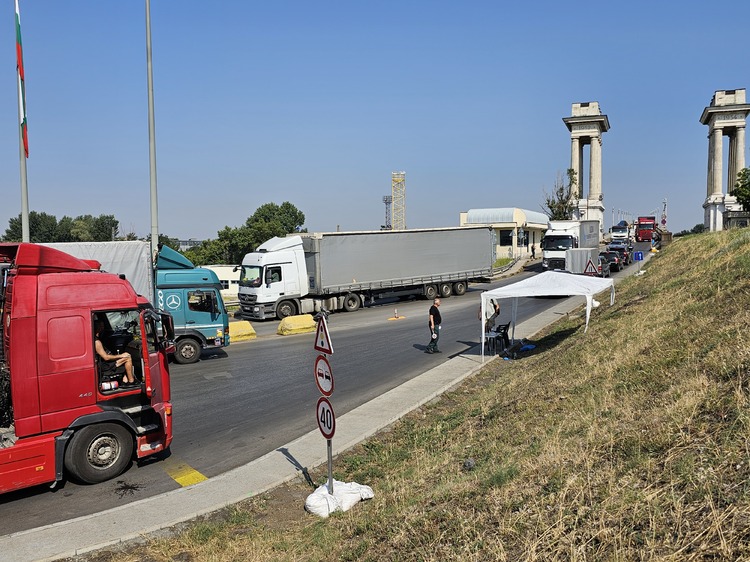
pixel 299 324
pixel 241 330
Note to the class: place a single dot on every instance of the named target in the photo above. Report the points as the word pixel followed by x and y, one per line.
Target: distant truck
pixel 645 229
pixel 562 235
pixel 60 410
pixel 344 270
pixel 620 232
pixel 192 295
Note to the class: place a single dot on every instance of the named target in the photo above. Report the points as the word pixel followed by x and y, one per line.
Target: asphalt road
pixel 236 405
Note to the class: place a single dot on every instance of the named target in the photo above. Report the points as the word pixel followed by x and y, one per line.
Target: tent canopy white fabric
pixel 550 284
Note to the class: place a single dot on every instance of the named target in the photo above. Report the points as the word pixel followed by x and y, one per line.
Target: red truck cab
pixel 645 228
pixel 59 411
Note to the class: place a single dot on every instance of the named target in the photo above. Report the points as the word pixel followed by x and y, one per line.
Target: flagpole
pixel 22 142
pixel 25 236
pixel 152 139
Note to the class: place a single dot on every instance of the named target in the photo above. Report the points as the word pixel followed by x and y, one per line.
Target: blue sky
pixel 317 103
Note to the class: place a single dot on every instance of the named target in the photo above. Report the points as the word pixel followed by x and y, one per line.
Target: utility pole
pixel 152 139
pixel 388 200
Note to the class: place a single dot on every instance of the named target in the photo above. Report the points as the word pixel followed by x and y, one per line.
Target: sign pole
pixel 639 258
pixel 324 381
pixel 330 466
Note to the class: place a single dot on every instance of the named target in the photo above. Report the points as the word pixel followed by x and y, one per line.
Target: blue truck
pixel 192 295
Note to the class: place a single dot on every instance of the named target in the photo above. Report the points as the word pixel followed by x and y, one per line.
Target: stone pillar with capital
pixel 586 126
pixel 726 116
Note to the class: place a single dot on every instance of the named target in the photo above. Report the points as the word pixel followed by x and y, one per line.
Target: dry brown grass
pixel 629 442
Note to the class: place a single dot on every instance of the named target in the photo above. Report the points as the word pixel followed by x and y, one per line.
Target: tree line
pixel 44 227
pixel 230 245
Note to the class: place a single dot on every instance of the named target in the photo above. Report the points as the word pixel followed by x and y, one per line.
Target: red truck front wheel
pixel 99 452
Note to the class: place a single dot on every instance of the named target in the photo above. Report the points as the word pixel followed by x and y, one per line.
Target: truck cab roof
pixel 35 259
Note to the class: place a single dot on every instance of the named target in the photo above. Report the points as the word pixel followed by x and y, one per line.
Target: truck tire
pixel 430 292
pixel 352 302
pixel 446 289
pixel 285 309
pixel 459 288
pixel 99 452
pixel 187 351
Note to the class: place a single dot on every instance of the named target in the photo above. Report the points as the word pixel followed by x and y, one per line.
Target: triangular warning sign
pixel 591 269
pixel 322 339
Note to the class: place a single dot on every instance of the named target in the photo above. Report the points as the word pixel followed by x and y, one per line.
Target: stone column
pixel 575 164
pixel 736 157
pixel 579 179
pixel 595 173
pixel 732 163
pixel 710 172
pixel 717 165
pixel 740 148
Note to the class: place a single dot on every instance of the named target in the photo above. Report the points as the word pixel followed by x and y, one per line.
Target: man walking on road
pixel 434 324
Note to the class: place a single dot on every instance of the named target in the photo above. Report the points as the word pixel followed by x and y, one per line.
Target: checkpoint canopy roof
pixel 550 284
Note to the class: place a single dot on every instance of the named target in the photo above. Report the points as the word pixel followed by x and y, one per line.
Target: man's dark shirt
pixel 435 313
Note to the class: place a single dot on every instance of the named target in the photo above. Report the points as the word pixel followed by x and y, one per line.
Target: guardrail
pixel 505 268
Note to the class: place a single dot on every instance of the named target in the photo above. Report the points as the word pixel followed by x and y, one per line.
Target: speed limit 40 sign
pixel 326 418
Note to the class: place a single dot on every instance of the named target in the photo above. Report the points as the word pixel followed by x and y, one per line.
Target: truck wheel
pixel 430 292
pixel 352 302
pixel 187 351
pixel 459 288
pixel 99 452
pixel 285 309
pixel 446 289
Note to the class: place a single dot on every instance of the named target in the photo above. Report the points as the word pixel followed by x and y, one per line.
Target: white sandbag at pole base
pixel 345 496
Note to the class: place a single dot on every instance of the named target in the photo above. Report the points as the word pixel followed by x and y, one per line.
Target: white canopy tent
pixel 548 284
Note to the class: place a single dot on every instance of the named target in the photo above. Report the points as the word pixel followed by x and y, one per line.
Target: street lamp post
pixel 152 139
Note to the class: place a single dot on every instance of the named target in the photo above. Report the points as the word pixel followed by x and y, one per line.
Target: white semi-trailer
pixel 306 273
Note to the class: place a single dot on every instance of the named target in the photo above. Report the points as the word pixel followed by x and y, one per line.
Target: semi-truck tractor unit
pixel 62 411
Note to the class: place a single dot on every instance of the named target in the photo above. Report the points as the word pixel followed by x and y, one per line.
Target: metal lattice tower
pixel 398 192
pixel 387 199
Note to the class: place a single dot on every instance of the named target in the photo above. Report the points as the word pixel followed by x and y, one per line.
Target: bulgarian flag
pixel 21 85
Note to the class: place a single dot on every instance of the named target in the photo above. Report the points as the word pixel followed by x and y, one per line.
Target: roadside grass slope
pixel 628 442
